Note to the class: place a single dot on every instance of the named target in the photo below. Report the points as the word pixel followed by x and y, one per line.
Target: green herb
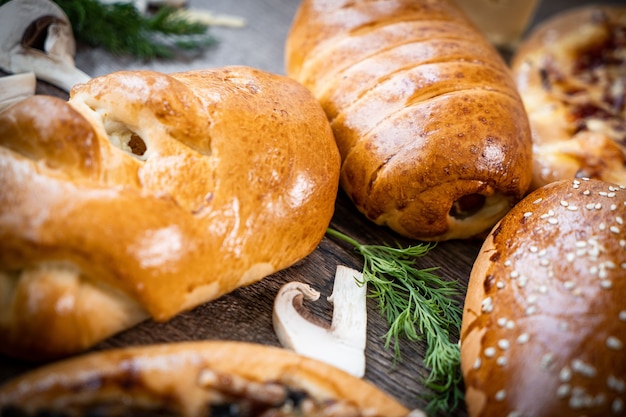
pixel 418 305
pixel 121 28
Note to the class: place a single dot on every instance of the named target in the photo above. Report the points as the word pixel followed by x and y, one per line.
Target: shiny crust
pixel 181 376
pixel 544 321
pixel 434 139
pixel 577 130
pixel 95 237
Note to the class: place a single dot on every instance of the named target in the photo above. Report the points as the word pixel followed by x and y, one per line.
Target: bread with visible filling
pixel 147 194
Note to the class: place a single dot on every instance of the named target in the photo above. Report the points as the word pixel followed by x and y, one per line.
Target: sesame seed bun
pixel 544 322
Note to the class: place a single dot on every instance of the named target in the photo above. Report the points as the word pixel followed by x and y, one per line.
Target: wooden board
pixel 245 314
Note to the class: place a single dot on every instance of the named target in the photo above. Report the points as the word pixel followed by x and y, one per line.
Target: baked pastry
pixel 571 74
pixel 195 379
pixel 434 138
pixel 544 322
pixel 147 194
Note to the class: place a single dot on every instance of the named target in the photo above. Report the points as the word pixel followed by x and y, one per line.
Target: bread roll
pixel 570 74
pixel 544 322
pixel 148 194
pixel 433 136
pixel 195 379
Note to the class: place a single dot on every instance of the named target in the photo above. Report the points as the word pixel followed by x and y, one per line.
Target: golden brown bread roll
pixel 544 322
pixel 570 74
pixel 195 379
pixel 433 136
pixel 147 194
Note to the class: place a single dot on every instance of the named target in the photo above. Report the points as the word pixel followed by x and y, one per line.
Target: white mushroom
pixel 341 344
pixel 36 36
pixel 14 88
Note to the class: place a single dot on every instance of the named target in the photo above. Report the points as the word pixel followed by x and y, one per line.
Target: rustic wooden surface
pixel 245 314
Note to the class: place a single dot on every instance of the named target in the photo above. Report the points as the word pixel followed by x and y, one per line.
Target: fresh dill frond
pixel 420 306
pixel 121 28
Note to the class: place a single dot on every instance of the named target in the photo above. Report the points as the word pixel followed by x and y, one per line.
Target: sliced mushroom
pixel 36 36
pixel 341 344
pixel 14 88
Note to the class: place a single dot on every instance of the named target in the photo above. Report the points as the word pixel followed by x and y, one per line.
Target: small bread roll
pixel 544 322
pixel 193 379
pixel 433 135
pixel 148 194
pixel 570 75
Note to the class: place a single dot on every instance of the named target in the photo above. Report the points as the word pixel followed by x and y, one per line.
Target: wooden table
pixel 245 314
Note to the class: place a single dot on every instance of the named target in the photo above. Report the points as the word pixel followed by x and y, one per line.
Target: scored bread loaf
pixel 544 322
pixel 570 74
pixel 434 138
pixel 190 379
pixel 147 194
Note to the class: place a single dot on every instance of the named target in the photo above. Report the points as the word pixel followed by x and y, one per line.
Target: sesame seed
pixel 611 195
pixel 514 274
pixel 553 220
pixel 564 203
pixel 531 310
pixel 586 192
pixel 583 368
pixel 515 414
pixel 477 363
pixel 622 315
pixel 618 405
pixel 490 352
pixel 510 324
pixel 616 384
pixel 619 220
pixel 566 374
pixel 614 343
pixel 537 201
pixel 580 243
pixel 598 206
pixel 547 360
pixel 500 395
pixel 543 289
pixel 606 284
pixel 542 252
pixel 533 249
pixel 570 256
pixel 590 206
pixel 501 361
pixel 613 207
pixel 569 285
pixel 528 214
pixel 501 321
pixel 572 208
pixel 507 263
pixel 602 226
pixel 487 305
pixel 614 229
pixel 500 284
pixel 503 344
pixel 544 262
pixel 563 391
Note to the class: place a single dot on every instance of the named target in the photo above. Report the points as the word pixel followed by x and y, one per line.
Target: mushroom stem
pixel 37 37
pixel 343 343
pixel 14 88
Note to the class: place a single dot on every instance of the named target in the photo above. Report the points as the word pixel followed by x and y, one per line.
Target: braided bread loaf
pixel 147 194
pixel 433 136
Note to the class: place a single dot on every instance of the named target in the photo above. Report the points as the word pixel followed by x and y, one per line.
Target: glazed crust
pixel 569 72
pixel 434 139
pixel 544 317
pixel 147 194
pixel 195 379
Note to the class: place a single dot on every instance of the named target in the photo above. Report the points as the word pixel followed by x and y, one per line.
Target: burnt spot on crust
pixel 488 283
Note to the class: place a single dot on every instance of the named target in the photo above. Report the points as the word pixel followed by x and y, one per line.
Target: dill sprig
pixel 121 28
pixel 420 306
